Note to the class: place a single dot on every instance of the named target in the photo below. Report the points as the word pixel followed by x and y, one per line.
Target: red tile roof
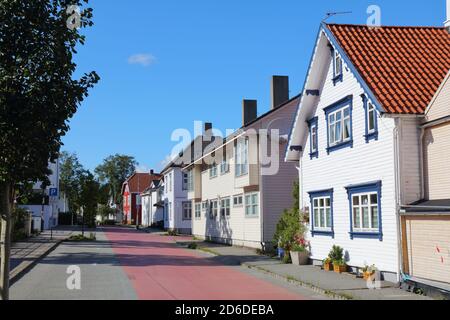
pixel 403 66
pixel 138 182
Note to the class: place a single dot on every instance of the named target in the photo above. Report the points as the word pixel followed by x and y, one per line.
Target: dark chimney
pixel 279 90
pixel 249 111
pixel 208 127
pixel 152 172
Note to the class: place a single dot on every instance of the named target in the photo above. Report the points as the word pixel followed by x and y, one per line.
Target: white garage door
pixel 428 247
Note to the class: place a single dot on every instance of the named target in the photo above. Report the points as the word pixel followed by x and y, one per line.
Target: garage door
pixel 428 247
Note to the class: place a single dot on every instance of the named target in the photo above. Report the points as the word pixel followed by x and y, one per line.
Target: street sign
pixel 53 192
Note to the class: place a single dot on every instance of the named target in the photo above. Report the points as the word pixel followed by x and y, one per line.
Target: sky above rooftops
pixel 166 64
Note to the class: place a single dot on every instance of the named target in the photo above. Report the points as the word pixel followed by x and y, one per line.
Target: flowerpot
pixel 340 269
pixel 328 266
pixel 300 258
pixel 368 275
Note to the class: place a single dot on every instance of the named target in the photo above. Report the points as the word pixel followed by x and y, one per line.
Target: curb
pixel 19 272
pixel 328 293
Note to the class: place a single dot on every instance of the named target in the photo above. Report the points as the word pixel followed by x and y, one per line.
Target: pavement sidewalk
pixel 25 254
pixel 338 286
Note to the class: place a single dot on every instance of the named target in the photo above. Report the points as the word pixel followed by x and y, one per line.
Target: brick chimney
pixel 447 22
pixel 249 111
pixel 280 90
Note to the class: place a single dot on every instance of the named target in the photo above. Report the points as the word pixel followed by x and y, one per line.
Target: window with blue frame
pixel 371 119
pixel 339 124
pixel 322 212
pixel 313 138
pixel 365 210
pixel 337 67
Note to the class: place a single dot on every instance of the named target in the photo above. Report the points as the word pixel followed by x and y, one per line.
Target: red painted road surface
pixel 161 271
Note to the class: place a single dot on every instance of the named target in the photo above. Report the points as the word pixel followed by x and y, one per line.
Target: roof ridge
pixel 385 26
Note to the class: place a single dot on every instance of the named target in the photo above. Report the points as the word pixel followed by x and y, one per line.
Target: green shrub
pixel 336 255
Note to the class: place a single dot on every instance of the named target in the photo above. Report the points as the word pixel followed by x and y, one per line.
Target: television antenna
pixel 332 14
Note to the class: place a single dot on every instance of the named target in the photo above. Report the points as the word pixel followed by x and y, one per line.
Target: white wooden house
pixel 356 136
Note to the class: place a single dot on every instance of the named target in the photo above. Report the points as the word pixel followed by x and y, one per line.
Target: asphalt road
pixel 124 264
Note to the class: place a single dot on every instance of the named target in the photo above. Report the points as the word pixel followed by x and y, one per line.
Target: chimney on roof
pixel 280 90
pixel 447 23
pixel 249 111
pixel 152 172
pixel 208 129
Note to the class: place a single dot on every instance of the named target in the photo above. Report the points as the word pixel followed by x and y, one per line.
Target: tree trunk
pixel 5 239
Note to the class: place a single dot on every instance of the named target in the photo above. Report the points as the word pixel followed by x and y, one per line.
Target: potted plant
pixel 369 272
pixel 327 264
pixel 299 251
pixel 340 266
pixel 336 255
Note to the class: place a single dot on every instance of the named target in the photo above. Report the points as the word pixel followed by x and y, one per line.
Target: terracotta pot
pixel 368 275
pixel 300 258
pixel 340 269
pixel 328 266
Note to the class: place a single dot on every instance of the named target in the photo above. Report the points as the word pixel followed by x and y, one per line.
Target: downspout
pixel 397 164
pixel 422 164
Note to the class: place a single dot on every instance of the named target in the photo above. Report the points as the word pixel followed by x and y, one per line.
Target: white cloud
pixel 142 168
pixel 143 59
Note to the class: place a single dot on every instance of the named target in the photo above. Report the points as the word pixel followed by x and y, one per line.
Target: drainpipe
pixel 422 164
pixel 396 138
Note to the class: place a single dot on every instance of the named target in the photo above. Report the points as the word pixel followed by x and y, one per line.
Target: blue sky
pixel 165 64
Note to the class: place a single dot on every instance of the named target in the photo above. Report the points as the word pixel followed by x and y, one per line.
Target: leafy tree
pixel 114 171
pixel 291 224
pixel 38 95
pixel 70 172
pixel 88 198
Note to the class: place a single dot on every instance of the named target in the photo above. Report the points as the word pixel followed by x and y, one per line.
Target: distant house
pixel 152 210
pixel 235 198
pixel 131 191
pixel 356 137
pixel 177 207
pixel 426 223
pixel 46 204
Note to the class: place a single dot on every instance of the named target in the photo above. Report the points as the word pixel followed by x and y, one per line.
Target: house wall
pixel 174 196
pixel 363 163
pixel 436 147
pixel 410 160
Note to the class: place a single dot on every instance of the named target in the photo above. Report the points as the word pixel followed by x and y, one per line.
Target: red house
pixel 131 190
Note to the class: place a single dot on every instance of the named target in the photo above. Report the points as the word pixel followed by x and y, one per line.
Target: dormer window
pixel 337 67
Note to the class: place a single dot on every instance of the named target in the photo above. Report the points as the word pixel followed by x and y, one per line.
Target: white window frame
pixel 190 181
pixel 225 207
pixel 371 115
pixel 198 211
pixel 213 171
pixel 213 209
pixel 314 138
pixel 320 213
pixel 224 167
pixel 369 206
pixel 241 157
pixel 338 68
pixel 332 126
pixel 240 203
pixel 187 210
pixel 252 206
pixel 205 206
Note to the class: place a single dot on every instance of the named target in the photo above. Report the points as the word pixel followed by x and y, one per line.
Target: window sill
pixel 366 235
pixel 329 233
pixel 314 155
pixel 348 144
pixel 338 79
pixel 242 175
pixel 251 217
pixel 371 136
